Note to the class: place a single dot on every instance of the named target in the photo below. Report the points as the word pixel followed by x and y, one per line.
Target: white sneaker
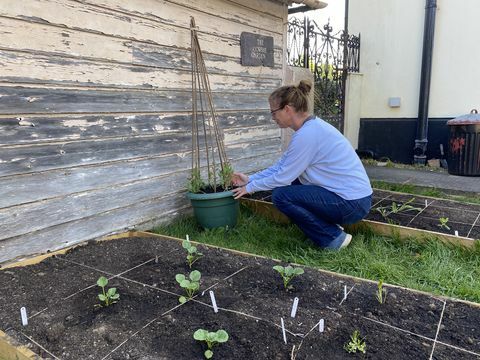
pixel 346 242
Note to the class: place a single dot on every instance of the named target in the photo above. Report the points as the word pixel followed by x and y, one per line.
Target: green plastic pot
pixel 215 209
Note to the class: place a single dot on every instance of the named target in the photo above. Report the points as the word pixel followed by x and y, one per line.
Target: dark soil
pixel 149 323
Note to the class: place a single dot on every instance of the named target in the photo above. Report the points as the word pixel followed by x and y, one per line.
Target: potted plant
pixel 212 201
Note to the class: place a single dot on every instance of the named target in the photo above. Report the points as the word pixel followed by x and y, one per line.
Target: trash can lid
pixel 468 119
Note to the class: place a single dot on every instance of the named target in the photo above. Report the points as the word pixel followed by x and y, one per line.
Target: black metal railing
pixel 330 56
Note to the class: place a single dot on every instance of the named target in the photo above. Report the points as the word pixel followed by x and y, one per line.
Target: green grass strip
pixel 427 191
pixel 426 265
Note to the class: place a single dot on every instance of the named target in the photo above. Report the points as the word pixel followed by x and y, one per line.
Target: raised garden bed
pixel 148 322
pixel 463 223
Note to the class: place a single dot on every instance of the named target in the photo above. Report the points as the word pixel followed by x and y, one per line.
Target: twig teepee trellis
pixel 204 123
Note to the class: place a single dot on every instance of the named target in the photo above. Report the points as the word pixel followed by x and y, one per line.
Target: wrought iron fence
pixel 330 56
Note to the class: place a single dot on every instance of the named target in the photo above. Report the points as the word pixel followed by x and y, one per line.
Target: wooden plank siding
pixel 95 111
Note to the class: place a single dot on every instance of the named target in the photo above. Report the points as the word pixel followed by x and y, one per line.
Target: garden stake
pixel 23 313
pixel 345 293
pixel 321 325
pixel 283 331
pixel 456 232
pixel 294 307
pixel 426 202
pixel 214 303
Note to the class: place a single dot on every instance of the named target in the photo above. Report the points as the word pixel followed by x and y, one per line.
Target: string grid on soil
pixel 149 322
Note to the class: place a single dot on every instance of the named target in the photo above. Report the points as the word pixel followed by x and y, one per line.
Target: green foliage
pixel 226 174
pixel 381 293
pixel 195 183
pixel 192 252
pixel 211 339
pixel 395 208
pixel 110 296
pixel 443 223
pixel 356 344
pixel 288 273
pixel 190 284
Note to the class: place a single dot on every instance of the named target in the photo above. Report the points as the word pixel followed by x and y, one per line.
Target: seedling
pixel 211 339
pixel 443 223
pixel 192 252
pixel 195 183
pixel 288 273
pixel 381 293
pixel 395 208
pixel 356 343
pixel 110 296
pixel 191 285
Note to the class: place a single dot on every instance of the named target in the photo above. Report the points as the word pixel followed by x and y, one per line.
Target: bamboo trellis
pixel 204 118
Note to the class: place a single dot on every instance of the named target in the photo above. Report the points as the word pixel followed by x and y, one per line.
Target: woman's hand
pixel 239 179
pixel 239 192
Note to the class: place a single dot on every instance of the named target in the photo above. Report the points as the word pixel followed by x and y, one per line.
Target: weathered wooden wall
pixel 95 107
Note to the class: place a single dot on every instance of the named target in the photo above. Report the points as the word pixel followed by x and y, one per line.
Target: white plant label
pixel 426 203
pixel 283 331
pixel 294 307
pixel 321 325
pixel 345 293
pixel 214 302
pixel 23 313
pixel 188 237
pixel 156 259
pixel 456 232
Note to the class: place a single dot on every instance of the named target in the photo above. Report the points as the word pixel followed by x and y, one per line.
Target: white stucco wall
pixel 391 52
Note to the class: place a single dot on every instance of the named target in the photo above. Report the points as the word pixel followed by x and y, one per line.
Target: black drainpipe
pixel 420 149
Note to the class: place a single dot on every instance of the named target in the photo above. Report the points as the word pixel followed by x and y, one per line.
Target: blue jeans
pixel 317 211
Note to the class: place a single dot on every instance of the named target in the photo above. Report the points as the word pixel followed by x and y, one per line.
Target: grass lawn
pixel 427 265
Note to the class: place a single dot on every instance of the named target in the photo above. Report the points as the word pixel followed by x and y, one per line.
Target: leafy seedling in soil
pixel 211 339
pixel 108 297
pixel 356 343
pixel 288 273
pixel 395 208
pixel 191 285
pixel 443 223
pixel 192 252
pixel 381 293
pixel 195 182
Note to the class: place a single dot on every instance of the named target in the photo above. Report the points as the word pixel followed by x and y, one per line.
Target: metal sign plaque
pixel 257 50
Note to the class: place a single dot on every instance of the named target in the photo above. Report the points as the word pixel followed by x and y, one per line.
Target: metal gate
pixel 330 57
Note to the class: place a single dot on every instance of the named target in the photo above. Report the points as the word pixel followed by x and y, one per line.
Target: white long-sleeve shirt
pixel 318 154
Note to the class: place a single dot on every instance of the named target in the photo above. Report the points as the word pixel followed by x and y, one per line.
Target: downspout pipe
pixel 421 140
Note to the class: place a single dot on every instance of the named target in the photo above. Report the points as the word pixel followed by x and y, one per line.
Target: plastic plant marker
pixel 345 293
pixel 321 325
pixel 187 237
pixel 283 331
pixel 426 202
pixel 456 232
pixel 156 259
pixel 23 314
pixel 294 307
pixel 214 303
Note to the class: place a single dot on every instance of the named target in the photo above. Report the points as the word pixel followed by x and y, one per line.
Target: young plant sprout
pixel 381 293
pixel 288 273
pixel 443 223
pixel 356 343
pixel 110 296
pixel 192 252
pixel 211 339
pixel 191 285
pixel 395 208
